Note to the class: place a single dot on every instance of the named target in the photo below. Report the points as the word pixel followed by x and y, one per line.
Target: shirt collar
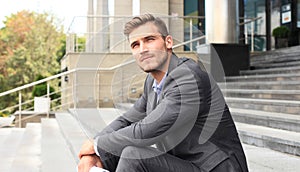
pixel 158 87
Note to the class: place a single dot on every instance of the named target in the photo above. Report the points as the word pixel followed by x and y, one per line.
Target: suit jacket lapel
pixel 152 98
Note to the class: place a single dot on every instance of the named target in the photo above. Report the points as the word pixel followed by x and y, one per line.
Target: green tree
pixel 30 45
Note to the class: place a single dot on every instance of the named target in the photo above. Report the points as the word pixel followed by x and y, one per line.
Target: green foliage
pixel 3 114
pixel 30 45
pixel 81 43
pixel 41 89
pixel 281 32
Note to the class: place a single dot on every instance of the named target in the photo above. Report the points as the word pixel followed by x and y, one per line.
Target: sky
pixel 65 10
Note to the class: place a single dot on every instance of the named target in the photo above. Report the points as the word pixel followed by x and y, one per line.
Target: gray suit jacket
pixel 190 121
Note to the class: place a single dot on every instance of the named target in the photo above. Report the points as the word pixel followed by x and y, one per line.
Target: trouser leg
pixel 135 159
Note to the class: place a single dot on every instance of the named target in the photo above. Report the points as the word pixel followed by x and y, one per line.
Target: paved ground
pixel 266 160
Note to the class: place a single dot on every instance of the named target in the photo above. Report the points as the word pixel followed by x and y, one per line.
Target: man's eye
pixel 134 46
pixel 151 38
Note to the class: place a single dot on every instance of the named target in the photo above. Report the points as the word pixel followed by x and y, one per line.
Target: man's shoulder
pixel 191 64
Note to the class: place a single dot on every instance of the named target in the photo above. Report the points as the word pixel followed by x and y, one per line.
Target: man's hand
pixel 87 162
pixel 87 149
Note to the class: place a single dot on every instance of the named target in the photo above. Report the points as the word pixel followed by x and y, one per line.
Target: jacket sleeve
pixel 177 110
pixel 134 114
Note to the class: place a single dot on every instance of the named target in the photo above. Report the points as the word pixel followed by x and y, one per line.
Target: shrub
pixel 281 32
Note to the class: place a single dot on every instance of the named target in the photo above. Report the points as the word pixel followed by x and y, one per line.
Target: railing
pixel 68 100
pixel 250 21
pixel 18 108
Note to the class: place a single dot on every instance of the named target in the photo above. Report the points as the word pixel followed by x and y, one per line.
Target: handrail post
pixel 246 34
pixel 48 99
pixel 20 109
pixel 191 34
pixel 252 36
pixel 74 89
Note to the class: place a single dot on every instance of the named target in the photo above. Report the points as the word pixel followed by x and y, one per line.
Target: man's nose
pixel 143 47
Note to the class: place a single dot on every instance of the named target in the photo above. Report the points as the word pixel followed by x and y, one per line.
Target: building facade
pixel 271 14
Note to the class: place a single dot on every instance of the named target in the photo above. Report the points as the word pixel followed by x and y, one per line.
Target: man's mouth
pixel 145 57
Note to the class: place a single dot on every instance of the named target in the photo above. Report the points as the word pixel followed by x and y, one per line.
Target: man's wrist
pixel 94 154
pixel 96 147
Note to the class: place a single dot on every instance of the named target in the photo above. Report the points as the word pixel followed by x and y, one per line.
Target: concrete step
pixel 285 54
pixel 269 105
pixel 78 125
pixel 4 133
pixel 263 94
pixel 278 70
pixel 275 139
pixel 276 65
pixel 28 153
pixel 72 132
pixel 94 120
pixel 8 148
pixel 265 85
pixel 266 160
pixel 267 119
pixel 272 77
pixel 56 155
pixel 288 60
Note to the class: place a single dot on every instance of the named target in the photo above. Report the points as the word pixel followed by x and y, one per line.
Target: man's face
pixel 149 48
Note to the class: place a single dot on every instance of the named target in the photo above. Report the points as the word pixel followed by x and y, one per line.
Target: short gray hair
pixel 143 19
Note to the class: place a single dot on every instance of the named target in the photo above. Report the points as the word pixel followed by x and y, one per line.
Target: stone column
pixel 221 21
pixel 102 28
pixel 176 25
pixel 90 27
pixel 122 13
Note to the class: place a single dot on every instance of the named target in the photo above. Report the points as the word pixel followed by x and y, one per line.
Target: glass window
pixel 191 25
pixel 298 14
pixel 253 9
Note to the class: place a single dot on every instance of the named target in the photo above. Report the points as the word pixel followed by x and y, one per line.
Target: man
pixel 180 123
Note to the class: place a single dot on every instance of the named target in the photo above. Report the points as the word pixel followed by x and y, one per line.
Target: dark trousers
pixel 136 159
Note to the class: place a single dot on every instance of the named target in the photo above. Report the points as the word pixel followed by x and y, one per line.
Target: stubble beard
pixel 160 64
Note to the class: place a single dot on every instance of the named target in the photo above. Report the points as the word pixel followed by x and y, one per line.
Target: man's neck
pixel 159 74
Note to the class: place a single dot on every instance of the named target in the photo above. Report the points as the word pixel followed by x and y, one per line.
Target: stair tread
pixel 260 82
pixel 269 101
pixel 278 134
pixel 94 120
pixel 28 153
pixel 4 133
pixel 262 91
pixel 8 148
pixel 72 132
pixel 264 76
pixel 272 69
pixel 55 152
pixel 273 115
pixel 266 160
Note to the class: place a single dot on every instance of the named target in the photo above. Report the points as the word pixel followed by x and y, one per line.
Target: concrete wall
pixel 103 88
pixel 176 26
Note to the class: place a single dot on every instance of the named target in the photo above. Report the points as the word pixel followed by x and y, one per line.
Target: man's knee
pixel 132 152
pixel 130 159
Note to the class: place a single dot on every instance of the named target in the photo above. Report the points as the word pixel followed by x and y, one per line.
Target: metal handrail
pixel 18 89
pixel 251 21
pixel 36 82
pixel 190 41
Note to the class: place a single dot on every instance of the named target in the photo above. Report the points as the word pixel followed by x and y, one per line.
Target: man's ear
pixel 169 42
